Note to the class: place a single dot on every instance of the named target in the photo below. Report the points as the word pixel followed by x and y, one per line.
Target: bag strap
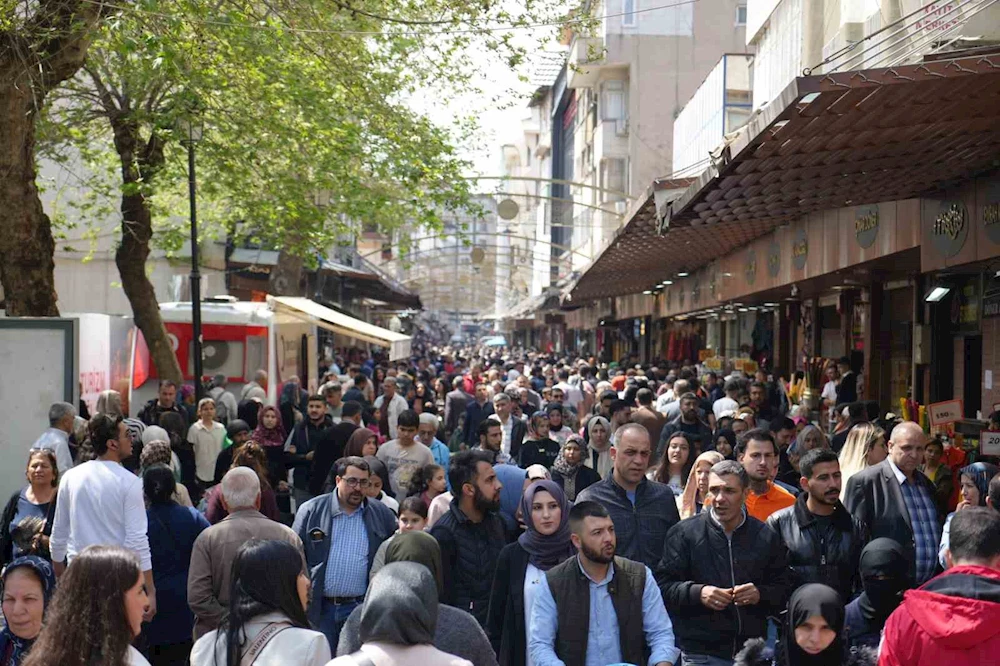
pixel 361 659
pixel 261 641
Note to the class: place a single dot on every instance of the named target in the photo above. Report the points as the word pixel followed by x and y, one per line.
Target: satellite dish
pixel 508 209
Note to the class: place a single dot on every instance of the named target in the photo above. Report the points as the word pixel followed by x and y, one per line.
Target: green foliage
pixel 297 97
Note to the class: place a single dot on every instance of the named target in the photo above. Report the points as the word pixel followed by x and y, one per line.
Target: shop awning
pixel 338 322
pixel 827 141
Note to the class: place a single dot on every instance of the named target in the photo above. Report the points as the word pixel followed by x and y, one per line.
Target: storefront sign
pixel 942 413
pixel 800 249
pixel 751 268
pixel 704 354
pixel 713 363
pixel 991 306
pixel 989 443
pixel 991 213
pixel 254 272
pixel 773 259
pixel 949 222
pixel 866 225
pixel 746 365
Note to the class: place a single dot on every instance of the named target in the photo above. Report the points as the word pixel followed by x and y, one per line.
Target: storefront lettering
pixel 800 249
pixel 991 213
pixel 866 226
pixel 951 222
pixel 773 259
pixel 948 223
pixel 751 271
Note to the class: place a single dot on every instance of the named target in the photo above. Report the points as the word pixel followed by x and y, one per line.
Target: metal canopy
pixel 827 141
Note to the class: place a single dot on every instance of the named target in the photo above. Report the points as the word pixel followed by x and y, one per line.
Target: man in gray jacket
pixel 215 548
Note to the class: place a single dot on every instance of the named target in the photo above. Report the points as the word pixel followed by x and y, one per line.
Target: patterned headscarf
pixel 14 648
pixel 981 473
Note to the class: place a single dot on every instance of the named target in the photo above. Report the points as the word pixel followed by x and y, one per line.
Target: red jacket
pixel 953 619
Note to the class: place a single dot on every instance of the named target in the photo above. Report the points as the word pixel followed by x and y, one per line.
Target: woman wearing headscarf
pixel 247 410
pixel 725 443
pixel 399 619
pixel 271 436
pixel 457 631
pixel 521 566
pixel 28 583
pixel 812 634
pixel 158 452
pixel 882 567
pixel 696 488
pixel 569 471
pixel 974 488
pixel 362 443
pixel 599 442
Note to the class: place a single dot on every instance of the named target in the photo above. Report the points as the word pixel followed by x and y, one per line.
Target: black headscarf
pixel 884 578
pixel 247 410
pixel 401 606
pixel 730 436
pixel 806 602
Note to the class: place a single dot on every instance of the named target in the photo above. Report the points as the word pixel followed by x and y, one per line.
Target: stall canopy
pixel 338 322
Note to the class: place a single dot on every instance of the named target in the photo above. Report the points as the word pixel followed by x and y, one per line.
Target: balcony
pixel 586 57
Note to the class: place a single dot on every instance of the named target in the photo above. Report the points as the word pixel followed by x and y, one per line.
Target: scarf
pixel 401 606
pixel 418 547
pixel 981 473
pixel 546 551
pixel 269 436
pixel 566 470
pixel 883 576
pixel 603 463
pixel 13 649
pixel 689 498
pixel 809 601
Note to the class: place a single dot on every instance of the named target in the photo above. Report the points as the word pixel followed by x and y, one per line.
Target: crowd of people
pixel 484 507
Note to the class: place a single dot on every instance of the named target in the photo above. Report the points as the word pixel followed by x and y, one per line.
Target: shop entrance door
pixel 972 384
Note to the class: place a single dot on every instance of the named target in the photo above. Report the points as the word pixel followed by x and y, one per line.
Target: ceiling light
pixel 937 294
pixel 683 274
pixel 666 283
pixel 648 292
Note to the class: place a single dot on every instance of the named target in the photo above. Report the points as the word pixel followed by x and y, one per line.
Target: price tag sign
pixel 989 443
pixel 942 413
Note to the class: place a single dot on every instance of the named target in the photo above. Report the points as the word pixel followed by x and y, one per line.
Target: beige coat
pixel 301 647
pixel 212 558
pixel 384 654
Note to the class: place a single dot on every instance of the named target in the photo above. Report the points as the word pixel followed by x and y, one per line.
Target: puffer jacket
pixel 469 554
pixel 756 653
pixel 698 553
pixel 830 558
pixel 951 619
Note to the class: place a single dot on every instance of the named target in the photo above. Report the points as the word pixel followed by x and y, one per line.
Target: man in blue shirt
pixel 597 609
pixel 427 433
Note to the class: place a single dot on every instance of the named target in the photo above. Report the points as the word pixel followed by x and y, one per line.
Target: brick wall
pixel 991 361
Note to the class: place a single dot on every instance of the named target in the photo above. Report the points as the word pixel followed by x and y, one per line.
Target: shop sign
pixel 746 365
pixel 942 413
pixel 751 268
pixel 866 225
pixel 949 222
pixel 989 443
pixel 704 354
pixel 800 249
pixel 991 213
pixel 773 259
pixel 713 363
pixel 254 272
pixel 991 306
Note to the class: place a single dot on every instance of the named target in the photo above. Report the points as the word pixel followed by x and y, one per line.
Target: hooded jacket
pixel 952 619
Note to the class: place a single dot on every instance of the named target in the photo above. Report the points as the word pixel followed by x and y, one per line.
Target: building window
pixel 628 13
pixel 614 177
pixel 741 14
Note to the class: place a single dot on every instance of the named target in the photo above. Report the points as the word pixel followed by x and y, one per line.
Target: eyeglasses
pixel 354 483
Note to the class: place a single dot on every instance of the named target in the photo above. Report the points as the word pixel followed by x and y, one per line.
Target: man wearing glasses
pixel 341 532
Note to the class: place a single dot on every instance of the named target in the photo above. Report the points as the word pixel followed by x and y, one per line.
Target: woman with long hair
pixel 678 460
pixel 696 488
pixel 267 623
pixel 362 442
pixel 172 532
pixel 249 455
pixel 865 446
pixel 96 614
pixel 974 488
pixel 522 565
pixel 569 472
pixel 28 583
pixel 27 518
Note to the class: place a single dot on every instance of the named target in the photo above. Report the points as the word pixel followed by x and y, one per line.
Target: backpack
pixel 221 411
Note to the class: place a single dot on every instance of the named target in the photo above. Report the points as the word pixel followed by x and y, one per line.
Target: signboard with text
pixel 989 443
pixel 943 413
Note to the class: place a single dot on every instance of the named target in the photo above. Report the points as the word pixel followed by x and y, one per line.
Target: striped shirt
pixel 347 561
pixel 923 519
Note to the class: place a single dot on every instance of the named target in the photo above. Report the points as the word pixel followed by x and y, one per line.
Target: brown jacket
pixel 651 420
pixel 213 555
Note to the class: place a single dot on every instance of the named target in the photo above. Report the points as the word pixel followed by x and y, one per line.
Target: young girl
pixel 412 518
pixel 428 482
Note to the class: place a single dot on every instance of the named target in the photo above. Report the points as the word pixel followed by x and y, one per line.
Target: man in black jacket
pixel 305 437
pixel 824 541
pixel 471 534
pixel 723 572
pixel 330 447
pixel 642 510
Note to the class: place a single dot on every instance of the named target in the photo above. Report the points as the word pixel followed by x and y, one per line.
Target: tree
pixel 42 44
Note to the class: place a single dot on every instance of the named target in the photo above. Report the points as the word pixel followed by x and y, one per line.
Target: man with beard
pixel 689 422
pixel 722 573
pixel 761 404
pixel 824 542
pixel 576 616
pixel 758 453
pixel 471 534
pixel 331 445
pixel 358 526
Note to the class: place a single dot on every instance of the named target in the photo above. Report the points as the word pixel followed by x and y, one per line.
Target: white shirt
pixel 134 658
pixel 507 428
pixel 207 447
pixel 57 441
pixel 532 578
pixel 830 391
pixel 100 502
pixel 723 405
pixel 396 407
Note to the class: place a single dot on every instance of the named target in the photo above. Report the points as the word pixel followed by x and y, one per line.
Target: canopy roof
pixel 338 322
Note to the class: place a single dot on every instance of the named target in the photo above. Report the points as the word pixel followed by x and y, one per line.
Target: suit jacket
pixel 455 403
pixel 874 497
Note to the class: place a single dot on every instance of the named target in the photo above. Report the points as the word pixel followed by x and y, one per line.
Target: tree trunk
pixel 137 230
pixel 288 277
pixel 35 57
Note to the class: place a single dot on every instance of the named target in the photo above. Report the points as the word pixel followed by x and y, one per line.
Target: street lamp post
pixel 191 130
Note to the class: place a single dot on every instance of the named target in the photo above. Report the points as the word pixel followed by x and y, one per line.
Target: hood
pixel 960 608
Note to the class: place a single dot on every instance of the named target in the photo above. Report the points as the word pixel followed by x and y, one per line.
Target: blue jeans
pixel 688 659
pixel 332 619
